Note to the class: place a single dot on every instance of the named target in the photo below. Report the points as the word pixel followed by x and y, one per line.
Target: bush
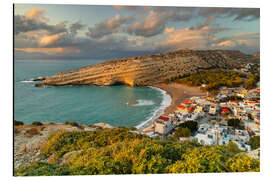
pixel 254 142
pixel 182 132
pixel 18 123
pixel 31 132
pixel 232 147
pixel 252 81
pixel 41 169
pixel 235 123
pixel 133 128
pixel 72 123
pixel 37 123
pixel 191 125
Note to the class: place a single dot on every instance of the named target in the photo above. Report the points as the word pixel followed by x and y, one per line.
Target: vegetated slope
pixel 214 79
pixel 119 151
pixel 150 69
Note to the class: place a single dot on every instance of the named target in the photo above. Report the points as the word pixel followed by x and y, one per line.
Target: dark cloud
pixel 110 47
pixel 109 26
pixel 75 27
pixel 238 13
pixel 23 24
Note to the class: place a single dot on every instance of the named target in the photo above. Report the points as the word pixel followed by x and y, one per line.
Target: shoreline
pixel 166 102
pixel 177 93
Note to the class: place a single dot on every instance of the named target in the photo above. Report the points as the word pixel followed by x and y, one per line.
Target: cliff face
pixel 149 69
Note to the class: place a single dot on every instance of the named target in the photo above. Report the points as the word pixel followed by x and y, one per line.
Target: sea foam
pixel 143 102
pixel 27 81
pixel 160 110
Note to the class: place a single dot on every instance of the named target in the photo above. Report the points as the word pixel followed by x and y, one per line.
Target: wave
pixel 27 81
pixel 158 111
pixel 143 102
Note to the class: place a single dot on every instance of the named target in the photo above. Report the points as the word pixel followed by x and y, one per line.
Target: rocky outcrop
pixel 149 69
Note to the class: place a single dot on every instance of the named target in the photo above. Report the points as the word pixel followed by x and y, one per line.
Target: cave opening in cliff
pixel 118 83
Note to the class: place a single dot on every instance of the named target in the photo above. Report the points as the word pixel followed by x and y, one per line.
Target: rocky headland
pixel 150 69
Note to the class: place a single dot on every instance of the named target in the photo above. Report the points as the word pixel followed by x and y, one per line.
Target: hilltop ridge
pixel 150 69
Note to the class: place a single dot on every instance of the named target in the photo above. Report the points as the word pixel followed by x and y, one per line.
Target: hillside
pixel 119 151
pixel 150 69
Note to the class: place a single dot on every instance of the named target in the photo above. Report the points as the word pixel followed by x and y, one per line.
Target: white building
pixel 163 125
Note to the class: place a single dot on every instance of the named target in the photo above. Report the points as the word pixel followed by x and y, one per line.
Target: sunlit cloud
pixel 37 14
pixel 49 51
pixel 134 30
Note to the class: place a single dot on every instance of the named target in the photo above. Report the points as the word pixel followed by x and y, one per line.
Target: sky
pixel 110 32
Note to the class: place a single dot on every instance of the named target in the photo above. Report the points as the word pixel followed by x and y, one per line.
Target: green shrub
pixel 31 132
pixel 18 123
pixel 254 142
pixel 72 123
pixel 182 132
pixel 133 128
pixel 37 123
pixel 191 125
pixel 41 169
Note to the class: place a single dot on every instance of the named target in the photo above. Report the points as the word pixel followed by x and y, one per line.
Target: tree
pixel 182 132
pixel 252 81
pixel 232 147
pixel 235 123
pixel 191 125
pixel 254 142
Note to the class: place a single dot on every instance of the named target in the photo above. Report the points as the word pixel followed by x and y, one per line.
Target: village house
pixel 212 109
pixel 163 125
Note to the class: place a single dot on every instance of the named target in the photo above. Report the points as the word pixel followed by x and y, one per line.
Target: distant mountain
pixel 150 69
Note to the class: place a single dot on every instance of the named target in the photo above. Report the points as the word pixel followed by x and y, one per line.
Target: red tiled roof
pixel 163 118
pixel 225 109
pixel 186 102
pixel 180 106
pixel 148 131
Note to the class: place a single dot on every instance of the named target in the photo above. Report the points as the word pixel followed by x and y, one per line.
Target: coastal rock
pixel 150 69
pixel 103 125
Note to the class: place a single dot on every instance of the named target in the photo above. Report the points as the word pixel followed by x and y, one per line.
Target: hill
pixel 150 69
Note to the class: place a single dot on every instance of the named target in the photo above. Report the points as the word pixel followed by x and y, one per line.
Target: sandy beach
pixel 178 93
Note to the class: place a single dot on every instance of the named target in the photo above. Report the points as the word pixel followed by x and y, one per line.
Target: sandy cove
pixel 179 93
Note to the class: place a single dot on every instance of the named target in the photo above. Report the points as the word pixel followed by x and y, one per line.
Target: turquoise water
pixel 83 104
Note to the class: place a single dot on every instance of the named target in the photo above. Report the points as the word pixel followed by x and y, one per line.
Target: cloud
pixel 193 38
pixel 110 26
pixel 49 51
pixel 37 14
pixel 133 8
pixel 246 14
pixel 128 8
pixel 125 36
pixel 246 42
pixel 155 21
pixel 76 27
pixel 209 20
pixel 23 24
pixel 47 40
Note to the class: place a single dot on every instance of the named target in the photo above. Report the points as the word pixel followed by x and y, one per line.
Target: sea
pixel 115 105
